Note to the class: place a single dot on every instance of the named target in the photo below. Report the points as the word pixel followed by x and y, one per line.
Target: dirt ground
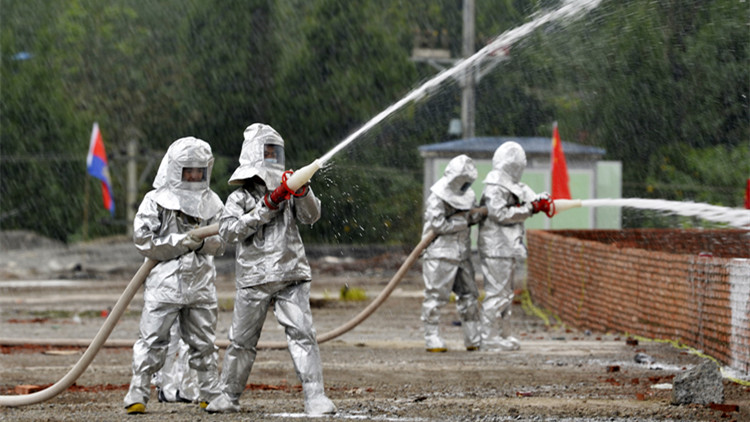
pixel 378 371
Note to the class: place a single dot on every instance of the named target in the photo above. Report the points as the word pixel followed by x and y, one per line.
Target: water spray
pixel 569 10
pixel 294 182
pixel 735 217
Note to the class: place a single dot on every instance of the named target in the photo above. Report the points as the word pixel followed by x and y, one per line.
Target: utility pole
pixel 425 51
pixel 132 190
pixel 468 82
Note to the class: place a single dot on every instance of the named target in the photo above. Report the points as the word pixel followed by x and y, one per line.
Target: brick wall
pixel 692 286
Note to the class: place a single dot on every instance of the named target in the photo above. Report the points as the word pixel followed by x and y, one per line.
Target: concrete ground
pixel 377 371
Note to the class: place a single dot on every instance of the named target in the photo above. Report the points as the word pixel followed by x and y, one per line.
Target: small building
pixel 590 176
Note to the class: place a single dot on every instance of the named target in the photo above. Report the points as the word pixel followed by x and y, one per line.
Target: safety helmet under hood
pixel 173 191
pixel 262 155
pixel 455 185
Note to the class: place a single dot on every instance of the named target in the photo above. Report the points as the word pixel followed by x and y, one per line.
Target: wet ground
pixel 377 371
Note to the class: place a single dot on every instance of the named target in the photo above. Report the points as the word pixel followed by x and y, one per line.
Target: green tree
pixel 230 52
pixel 661 85
pixel 42 147
pixel 649 82
pixel 345 63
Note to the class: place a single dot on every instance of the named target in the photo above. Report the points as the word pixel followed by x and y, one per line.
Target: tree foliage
pixel 663 86
pixel 660 82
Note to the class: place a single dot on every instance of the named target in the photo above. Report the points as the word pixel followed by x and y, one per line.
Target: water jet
pixel 296 180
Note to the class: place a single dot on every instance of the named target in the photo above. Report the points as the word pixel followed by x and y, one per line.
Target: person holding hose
pixel 509 203
pixel 181 286
pixel 446 262
pixel 271 270
pixel 176 381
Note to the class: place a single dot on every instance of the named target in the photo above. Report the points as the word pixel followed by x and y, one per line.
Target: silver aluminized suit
pixel 181 286
pixel 176 381
pixel 501 241
pixel 446 262
pixel 271 270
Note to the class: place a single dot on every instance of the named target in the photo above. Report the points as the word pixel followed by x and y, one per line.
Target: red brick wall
pixel 657 283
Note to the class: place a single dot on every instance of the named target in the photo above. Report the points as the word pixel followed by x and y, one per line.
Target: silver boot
pixel 472 334
pixel 223 404
pixel 507 329
pixel 433 342
pixel 316 402
pixel 495 333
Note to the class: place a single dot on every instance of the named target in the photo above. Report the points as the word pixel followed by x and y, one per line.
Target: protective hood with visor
pixel 508 164
pixel 183 179
pixel 262 155
pixel 455 185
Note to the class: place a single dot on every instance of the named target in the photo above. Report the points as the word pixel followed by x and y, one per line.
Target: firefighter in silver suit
pixel 271 271
pixel 446 262
pixel 181 285
pixel 509 203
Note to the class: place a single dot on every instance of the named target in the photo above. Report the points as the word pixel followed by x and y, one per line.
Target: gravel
pixel 378 371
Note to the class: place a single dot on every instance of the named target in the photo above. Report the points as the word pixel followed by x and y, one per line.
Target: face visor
pixel 454 186
pixel 273 155
pixel 194 174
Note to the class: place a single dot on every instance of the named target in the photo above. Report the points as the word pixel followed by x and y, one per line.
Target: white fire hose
pixel 135 284
pixel 92 350
pixel 294 182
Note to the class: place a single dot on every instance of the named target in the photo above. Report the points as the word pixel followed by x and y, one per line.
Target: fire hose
pixel 92 350
pixel 135 284
pixel 290 185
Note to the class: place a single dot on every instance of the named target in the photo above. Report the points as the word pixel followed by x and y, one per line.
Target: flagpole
pixel 86 208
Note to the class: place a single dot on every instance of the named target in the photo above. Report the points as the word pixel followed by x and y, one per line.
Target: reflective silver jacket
pixel 269 246
pixel 182 277
pixel 445 212
pixel 165 217
pixel 451 225
pixel 508 202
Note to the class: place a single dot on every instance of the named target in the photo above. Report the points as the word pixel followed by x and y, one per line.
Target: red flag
pixel 747 195
pixel 97 166
pixel 560 183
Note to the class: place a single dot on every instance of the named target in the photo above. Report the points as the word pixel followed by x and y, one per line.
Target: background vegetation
pixel 663 86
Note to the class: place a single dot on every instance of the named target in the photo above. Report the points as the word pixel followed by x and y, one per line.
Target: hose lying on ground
pixel 135 284
pixel 92 350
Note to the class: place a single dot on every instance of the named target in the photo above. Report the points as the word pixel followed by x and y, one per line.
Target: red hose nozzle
pixel 282 192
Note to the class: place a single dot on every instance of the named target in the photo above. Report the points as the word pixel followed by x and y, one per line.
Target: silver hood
pixel 252 159
pixel 455 185
pixel 508 164
pixel 192 198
